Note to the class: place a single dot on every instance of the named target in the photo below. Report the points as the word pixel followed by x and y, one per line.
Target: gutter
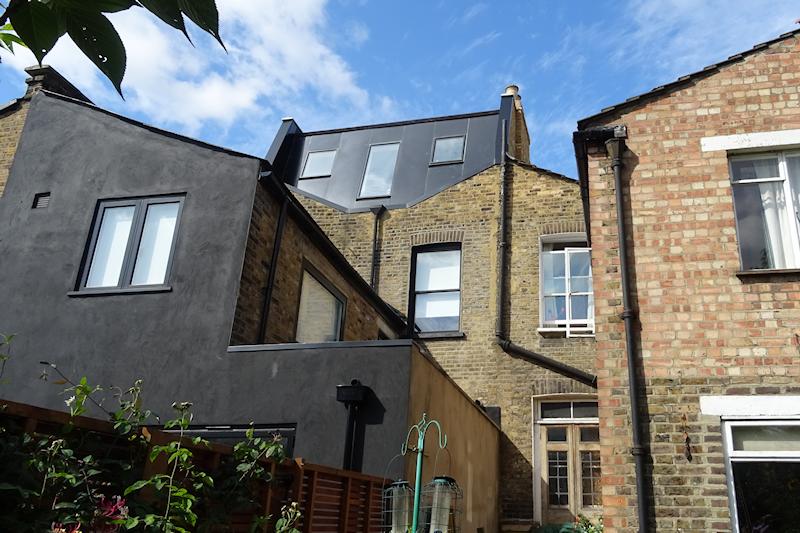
pixel 500 332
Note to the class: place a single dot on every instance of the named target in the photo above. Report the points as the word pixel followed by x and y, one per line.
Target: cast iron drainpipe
pixel 378 213
pixel 500 324
pixel 615 148
pixel 273 266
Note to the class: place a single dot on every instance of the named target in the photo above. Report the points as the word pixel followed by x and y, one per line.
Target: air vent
pixel 41 200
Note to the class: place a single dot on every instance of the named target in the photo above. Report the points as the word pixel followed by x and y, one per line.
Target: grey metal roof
pixel 415 176
pixel 681 82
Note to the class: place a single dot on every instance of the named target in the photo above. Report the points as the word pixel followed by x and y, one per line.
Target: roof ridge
pixel 670 86
pixel 405 122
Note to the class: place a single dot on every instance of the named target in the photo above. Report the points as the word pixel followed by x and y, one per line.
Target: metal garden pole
pixel 422 428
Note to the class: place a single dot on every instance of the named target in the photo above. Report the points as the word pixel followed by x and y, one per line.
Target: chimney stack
pixel 47 78
pixel 519 142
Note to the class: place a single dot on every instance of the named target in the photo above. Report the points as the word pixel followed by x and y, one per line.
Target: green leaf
pixel 168 11
pixel 136 486
pixel 38 26
pixel 204 14
pixel 65 505
pixel 97 38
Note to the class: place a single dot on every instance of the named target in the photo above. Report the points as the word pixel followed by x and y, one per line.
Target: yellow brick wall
pixel 11 122
pixel 469 213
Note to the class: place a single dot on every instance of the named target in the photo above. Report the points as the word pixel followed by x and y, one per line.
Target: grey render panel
pixel 173 339
pixel 414 179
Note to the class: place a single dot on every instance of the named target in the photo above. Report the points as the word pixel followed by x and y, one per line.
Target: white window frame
pixel 565 326
pixel 783 176
pixel 304 176
pixel 536 436
pixel 733 456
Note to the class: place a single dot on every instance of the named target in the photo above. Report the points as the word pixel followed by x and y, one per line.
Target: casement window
pixel 318 164
pixel 436 281
pixel 763 472
pixel 566 301
pixel 379 173
pixel 568 459
pixel 766 198
pixel 448 150
pixel 132 243
pixel 320 316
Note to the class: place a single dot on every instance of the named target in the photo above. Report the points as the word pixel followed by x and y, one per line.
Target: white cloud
pixel 279 62
pixel 482 40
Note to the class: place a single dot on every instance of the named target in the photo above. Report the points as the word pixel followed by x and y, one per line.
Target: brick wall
pixel 704 330
pixel 297 249
pixel 469 213
pixel 11 121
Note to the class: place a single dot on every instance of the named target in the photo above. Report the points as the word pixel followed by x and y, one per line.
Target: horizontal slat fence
pixel 331 500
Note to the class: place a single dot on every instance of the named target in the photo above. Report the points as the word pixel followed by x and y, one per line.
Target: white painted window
pixel 448 150
pixel 766 197
pixel 132 243
pixel 566 298
pixel 567 459
pixel 763 471
pixel 318 164
pixel 380 170
pixel 437 289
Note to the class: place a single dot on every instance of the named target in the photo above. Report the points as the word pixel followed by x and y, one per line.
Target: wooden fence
pixel 331 500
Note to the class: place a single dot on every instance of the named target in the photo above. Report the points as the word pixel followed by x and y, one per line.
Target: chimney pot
pixel 511 90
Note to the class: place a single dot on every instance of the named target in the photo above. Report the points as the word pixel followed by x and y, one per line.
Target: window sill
pixel 301 178
pixel 380 197
pixel 443 163
pixel 555 333
pixel 127 290
pixel 769 272
pixel 441 335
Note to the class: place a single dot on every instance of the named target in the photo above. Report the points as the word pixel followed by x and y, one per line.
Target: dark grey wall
pixel 173 339
pixel 297 384
pixel 415 178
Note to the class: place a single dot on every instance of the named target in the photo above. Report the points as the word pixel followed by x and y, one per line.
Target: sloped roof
pixel 682 81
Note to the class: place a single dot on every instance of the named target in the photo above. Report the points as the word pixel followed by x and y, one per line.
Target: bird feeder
pixel 441 505
pixel 397 501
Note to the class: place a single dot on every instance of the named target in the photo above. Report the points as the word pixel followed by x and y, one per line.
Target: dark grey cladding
pixel 415 178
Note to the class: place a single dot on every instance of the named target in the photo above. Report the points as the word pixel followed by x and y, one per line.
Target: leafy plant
pixel 39 24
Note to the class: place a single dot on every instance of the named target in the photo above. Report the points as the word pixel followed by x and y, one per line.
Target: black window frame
pixel 364 173
pixel 434 163
pixel 412 290
pixel 140 205
pixel 331 288
pixel 288 433
pixel 316 176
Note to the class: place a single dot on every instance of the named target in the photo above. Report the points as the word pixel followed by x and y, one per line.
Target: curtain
pixel 776 224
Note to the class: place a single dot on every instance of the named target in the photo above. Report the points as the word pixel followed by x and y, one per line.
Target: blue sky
pixel 348 62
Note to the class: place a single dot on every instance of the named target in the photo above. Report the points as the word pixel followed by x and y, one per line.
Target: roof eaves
pixel 683 80
pixel 404 123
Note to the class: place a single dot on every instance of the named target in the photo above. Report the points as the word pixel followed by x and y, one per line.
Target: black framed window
pixel 320 316
pixel 379 173
pixel 436 282
pixel 132 243
pixel 448 150
pixel 318 164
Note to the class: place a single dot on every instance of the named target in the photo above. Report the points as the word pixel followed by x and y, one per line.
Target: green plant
pixel 583 524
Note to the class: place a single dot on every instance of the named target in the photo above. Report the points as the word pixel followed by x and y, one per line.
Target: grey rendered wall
pixel 297 384
pixel 173 340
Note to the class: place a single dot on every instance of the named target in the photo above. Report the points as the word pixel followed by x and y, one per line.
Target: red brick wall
pixel 704 331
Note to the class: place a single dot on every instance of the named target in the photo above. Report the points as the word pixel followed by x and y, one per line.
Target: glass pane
pixel 580 284
pixel 590 434
pixel 557 478
pixel 437 311
pixel 156 244
pixel 793 166
pixel 590 478
pixel 580 307
pixel 556 434
pixel 556 410
pixel 319 164
pixel 584 409
pixel 109 251
pixel 449 149
pixel 750 169
pixel 553 273
pixel 438 271
pixel 766 438
pixel 555 308
pixel 320 315
pixel 579 263
pixel 763 220
pixel 380 170
pixel 766 496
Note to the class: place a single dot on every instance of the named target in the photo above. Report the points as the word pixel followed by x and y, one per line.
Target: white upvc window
pixel 766 198
pixel 762 460
pixel 566 299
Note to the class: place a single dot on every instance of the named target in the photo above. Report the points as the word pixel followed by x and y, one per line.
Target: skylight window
pixel 319 164
pixel 380 170
pixel 448 150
